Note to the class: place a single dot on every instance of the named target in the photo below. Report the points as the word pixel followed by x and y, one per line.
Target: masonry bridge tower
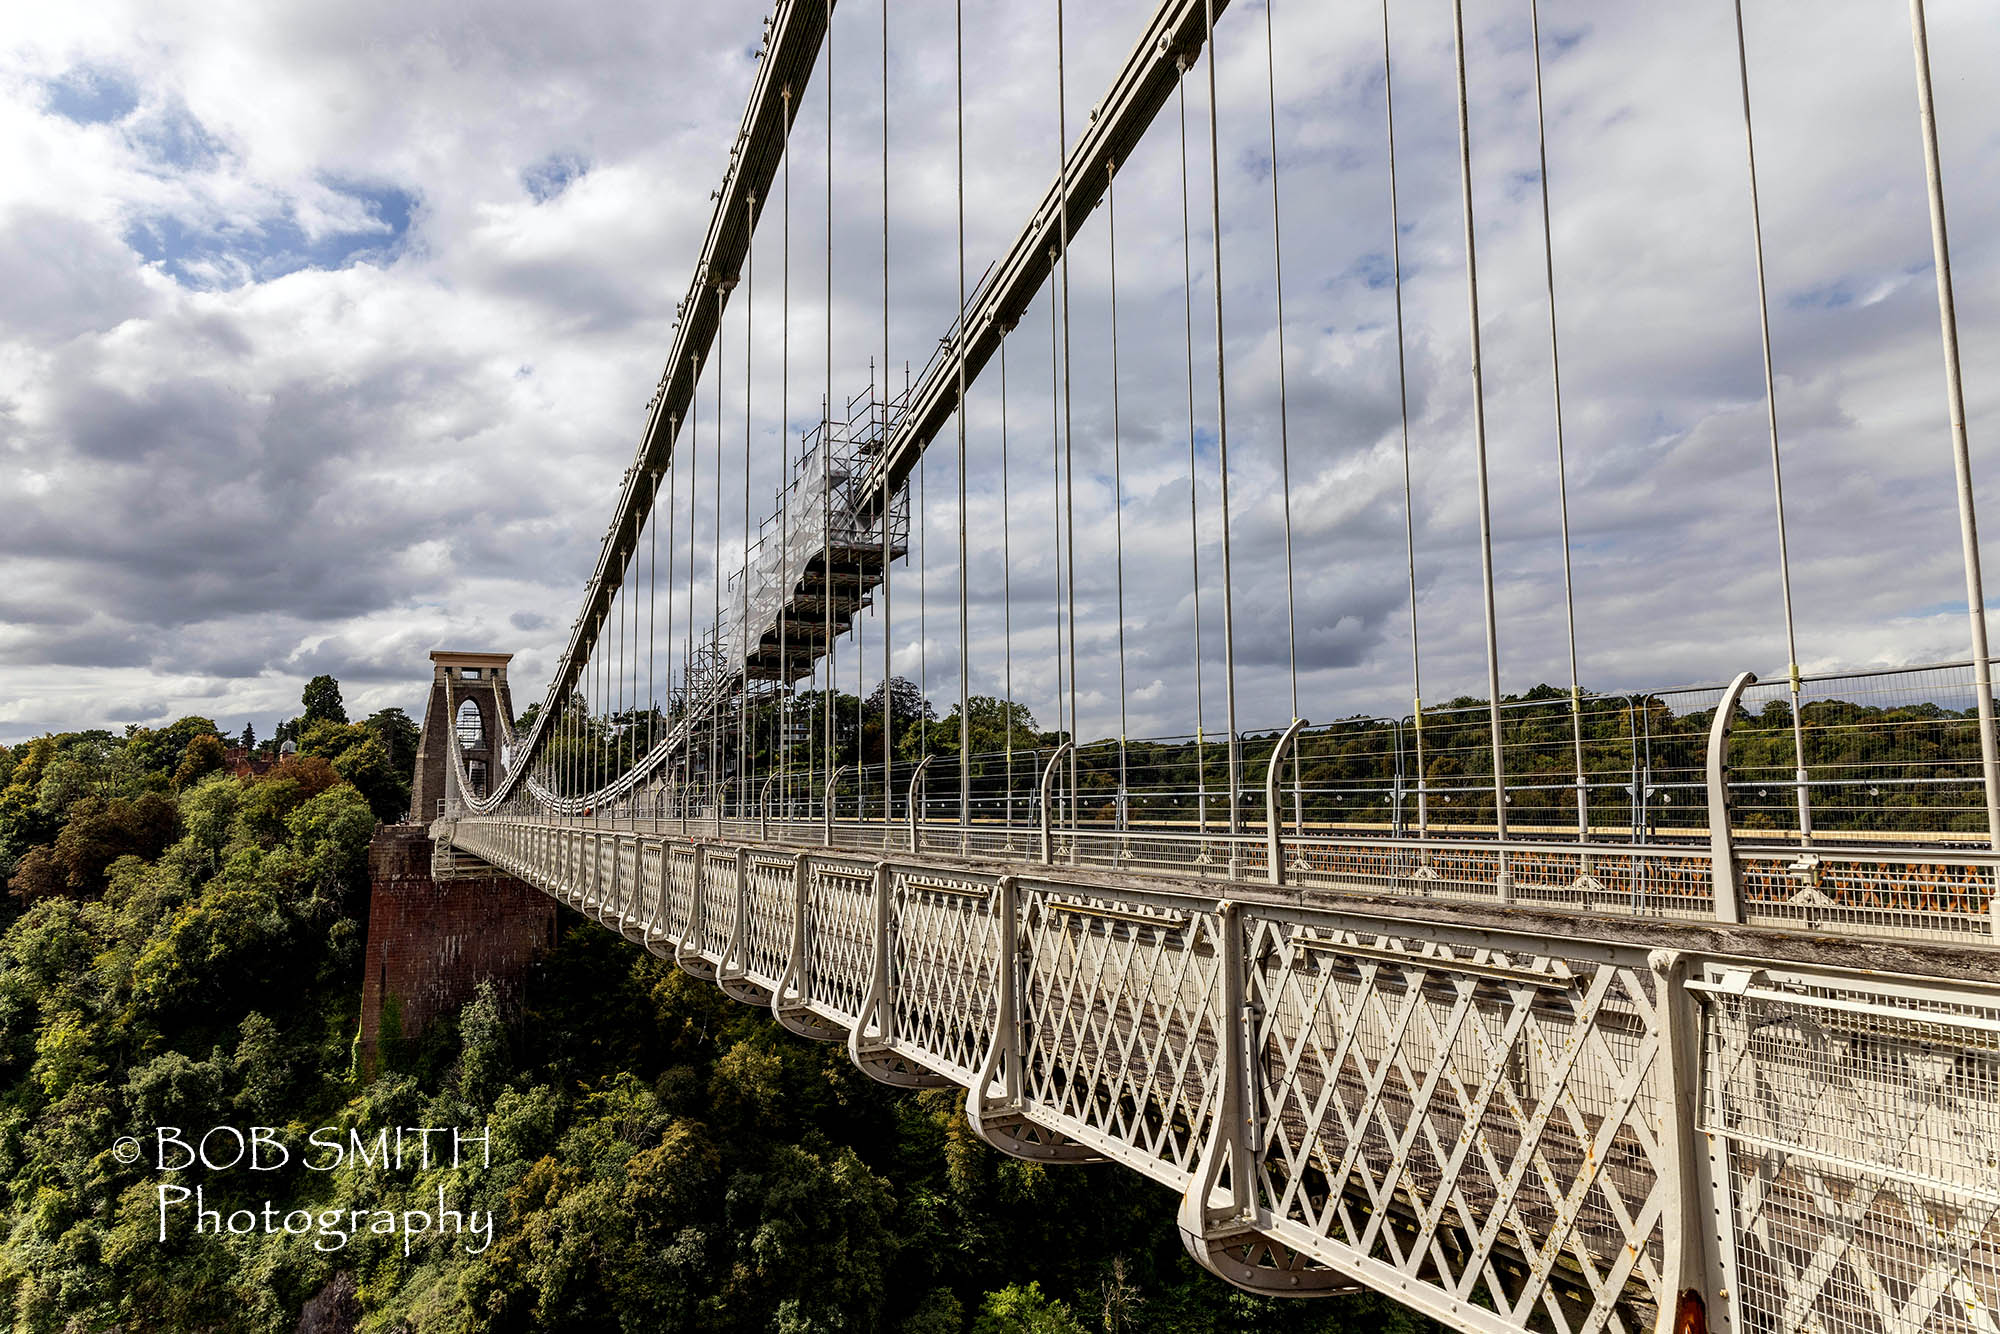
pixel 440 921
pixel 469 707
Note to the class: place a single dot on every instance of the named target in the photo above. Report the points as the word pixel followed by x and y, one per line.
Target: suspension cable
pixel 1479 450
pixel 694 526
pixel 1284 416
pixel 923 594
pixel 888 652
pixel 1968 514
pixel 1055 499
pixel 964 620
pixel 1006 582
pixel 888 645
pixel 717 661
pixel 1777 470
pixel 652 606
pixel 743 757
pixel 1222 448
pixel 1194 512
pixel 614 676
pixel 1117 479
pixel 826 426
pixel 784 747
pixel 1562 468
pixel 1068 439
pixel 860 665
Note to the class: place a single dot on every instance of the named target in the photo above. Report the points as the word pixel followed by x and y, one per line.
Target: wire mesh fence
pixel 1855 801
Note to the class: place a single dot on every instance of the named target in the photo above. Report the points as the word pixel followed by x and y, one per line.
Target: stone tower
pixel 469 716
pixel 434 936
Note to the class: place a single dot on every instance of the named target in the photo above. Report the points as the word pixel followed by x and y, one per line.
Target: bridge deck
pixel 1507 1116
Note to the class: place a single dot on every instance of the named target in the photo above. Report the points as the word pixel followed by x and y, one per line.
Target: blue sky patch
pixel 175 139
pixel 1835 295
pixel 232 255
pixel 552 175
pixel 90 95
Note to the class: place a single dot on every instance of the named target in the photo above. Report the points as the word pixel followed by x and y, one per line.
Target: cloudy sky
pixel 326 333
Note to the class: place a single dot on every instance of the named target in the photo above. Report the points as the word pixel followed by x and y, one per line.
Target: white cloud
pixel 327 334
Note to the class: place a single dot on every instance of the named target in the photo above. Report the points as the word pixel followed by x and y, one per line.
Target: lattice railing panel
pixel 1482 1122
pixel 1473 1120
pixel 1121 1011
pixel 840 939
pixel 651 902
pixel 767 929
pixel 718 903
pixel 946 944
pixel 682 903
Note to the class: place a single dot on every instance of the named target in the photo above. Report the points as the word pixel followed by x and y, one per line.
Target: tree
pixel 398 735
pixel 359 757
pixel 96 833
pixel 991 721
pixel 1022 1309
pixel 249 737
pixel 204 756
pixel 161 750
pixel 321 699
pixel 906 703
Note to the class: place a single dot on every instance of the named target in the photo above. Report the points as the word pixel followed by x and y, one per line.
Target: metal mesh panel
pixel 1860 1126
pixel 681 898
pixel 1441 1109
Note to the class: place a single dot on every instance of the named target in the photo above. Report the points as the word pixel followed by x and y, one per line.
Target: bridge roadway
pixel 1506 1114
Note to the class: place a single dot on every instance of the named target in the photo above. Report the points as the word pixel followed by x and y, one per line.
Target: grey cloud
pixel 337 472
pixel 62 276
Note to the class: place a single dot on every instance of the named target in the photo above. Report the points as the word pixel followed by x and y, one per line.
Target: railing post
pixel 1727 892
pixel 1697 1219
pixel 870 1043
pixel 687 950
pixel 1274 842
pixel 916 786
pixel 764 810
pixel 655 923
pixel 1003 1061
pixel 732 965
pixel 790 999
pixel 1047 813
pixel 1968 516
pixel 996 1103
pixel 826 809
pixel 615 907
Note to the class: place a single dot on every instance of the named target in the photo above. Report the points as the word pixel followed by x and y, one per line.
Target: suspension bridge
pixel 1671 1008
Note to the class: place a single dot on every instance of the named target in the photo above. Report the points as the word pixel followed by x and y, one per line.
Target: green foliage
pixel 663 1158
pixel 185 974
pixel 321 701
pixel 96 833
pixel 1022 1309
pixel 991 721
pixel 399 735
pixel 360 757
pixel 161 750
pixel 203 756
